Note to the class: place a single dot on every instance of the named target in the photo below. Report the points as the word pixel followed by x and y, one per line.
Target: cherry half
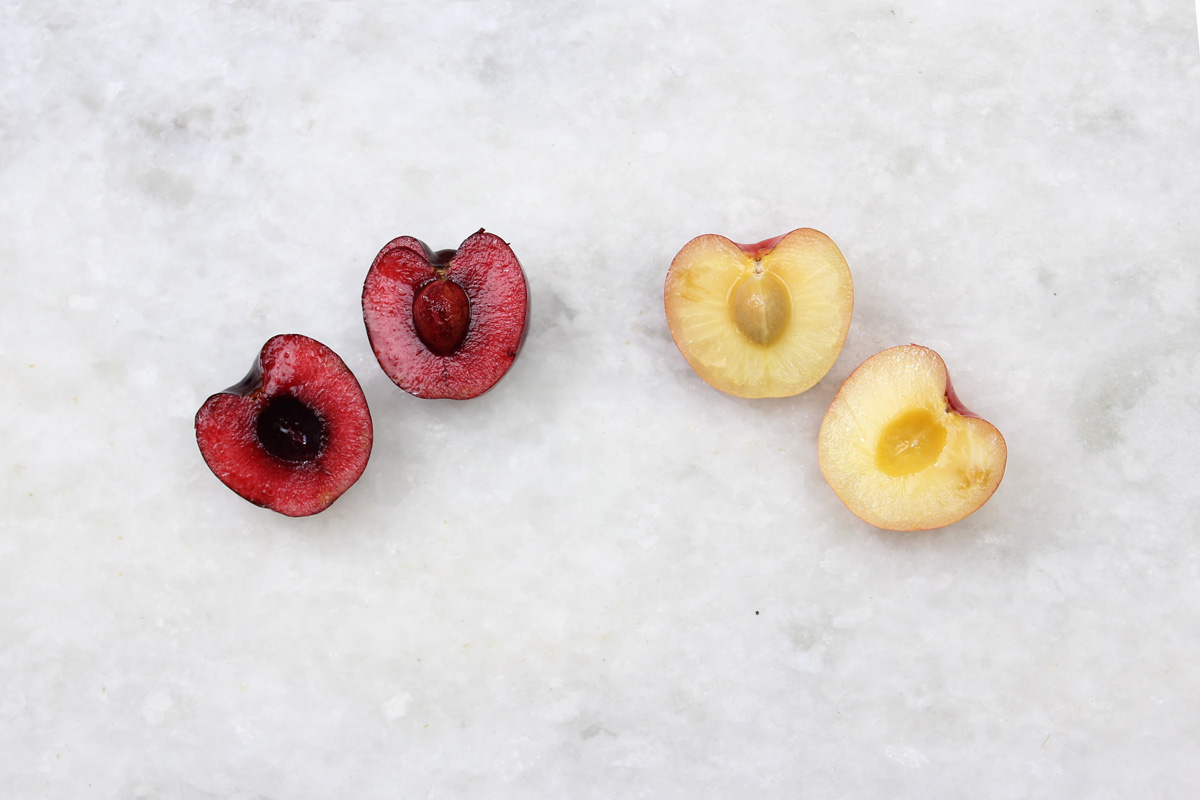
pixel 294 434
pixel 450 323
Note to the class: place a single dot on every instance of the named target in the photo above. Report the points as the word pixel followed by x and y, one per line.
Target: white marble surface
pixel 603 579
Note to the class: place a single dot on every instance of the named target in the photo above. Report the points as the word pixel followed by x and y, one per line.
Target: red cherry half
pixel 294 434
pixel 447 324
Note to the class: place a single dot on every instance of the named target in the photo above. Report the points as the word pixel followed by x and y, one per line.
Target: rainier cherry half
pixel 294 434
pixel 899 448
pixel 760 320
pixel 449 323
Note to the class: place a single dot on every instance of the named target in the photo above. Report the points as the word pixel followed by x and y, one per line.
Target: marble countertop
pixel 602 579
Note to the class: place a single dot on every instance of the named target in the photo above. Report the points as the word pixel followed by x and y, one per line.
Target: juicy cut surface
pixel 446 324
pixel 294 434
pixel 898 453
pixel 760 321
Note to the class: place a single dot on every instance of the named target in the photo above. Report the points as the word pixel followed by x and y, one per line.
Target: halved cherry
pixel 450 323
pixel 760 320
pixel 898 447
pixel 294 434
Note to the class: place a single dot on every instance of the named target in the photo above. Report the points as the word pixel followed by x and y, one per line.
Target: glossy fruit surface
pixel 446 324
pixel 294 434
pixel 760 320
pixel 899 448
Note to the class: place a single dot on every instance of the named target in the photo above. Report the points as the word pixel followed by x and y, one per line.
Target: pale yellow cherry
pixel 760 320
pixel 898 447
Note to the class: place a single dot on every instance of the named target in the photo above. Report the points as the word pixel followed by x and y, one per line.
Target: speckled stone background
pixel 603 579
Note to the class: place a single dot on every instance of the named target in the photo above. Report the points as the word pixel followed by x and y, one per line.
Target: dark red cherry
pixel 448 323
pixel 294 434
